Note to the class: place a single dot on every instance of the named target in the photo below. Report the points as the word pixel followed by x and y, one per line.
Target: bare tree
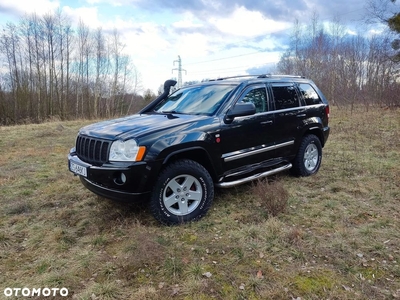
pixel 101 69
pixel 10 45
pixel 38 60
pixel 63 34
pixel 83 67
pixel 350 69
pixel 385 12
pixel 49 69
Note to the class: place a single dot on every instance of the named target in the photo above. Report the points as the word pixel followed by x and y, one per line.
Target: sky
pixel 213 38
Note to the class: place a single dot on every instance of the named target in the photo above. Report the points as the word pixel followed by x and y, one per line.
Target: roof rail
pixel 278 75
pixel 257 76
pixel 231 77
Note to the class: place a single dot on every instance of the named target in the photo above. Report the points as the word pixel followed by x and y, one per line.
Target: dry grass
pixel 338 236
pixel 272 196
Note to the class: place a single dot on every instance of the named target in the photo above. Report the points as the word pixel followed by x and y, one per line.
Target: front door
pixel 248 140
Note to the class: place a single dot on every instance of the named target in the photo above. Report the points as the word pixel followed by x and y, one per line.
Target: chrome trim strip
pixel 279 111
pixel 284 144
pixel 275 111
pixel 253 177
pixel 251 152
pixel 258 151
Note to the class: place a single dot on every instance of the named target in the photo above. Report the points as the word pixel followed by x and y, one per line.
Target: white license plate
pixel 78 169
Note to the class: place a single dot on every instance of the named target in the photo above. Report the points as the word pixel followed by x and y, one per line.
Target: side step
pixel 252 177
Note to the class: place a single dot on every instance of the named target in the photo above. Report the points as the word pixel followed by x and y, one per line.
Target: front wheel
pixel 183 192
pixel 309 156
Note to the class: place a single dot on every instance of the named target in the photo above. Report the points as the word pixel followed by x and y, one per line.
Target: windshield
pixel 196 100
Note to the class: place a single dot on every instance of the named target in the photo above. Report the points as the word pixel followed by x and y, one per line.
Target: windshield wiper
pixel 170 112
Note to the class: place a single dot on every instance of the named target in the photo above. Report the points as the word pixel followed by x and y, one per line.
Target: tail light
pixel 327 111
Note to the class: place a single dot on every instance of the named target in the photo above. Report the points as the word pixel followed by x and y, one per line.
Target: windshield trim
pixel 210 98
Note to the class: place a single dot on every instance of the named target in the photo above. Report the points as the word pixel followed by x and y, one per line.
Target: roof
pixel 259 76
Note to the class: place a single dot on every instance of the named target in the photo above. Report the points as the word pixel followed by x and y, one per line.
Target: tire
pixel 309 156
pixel 183 193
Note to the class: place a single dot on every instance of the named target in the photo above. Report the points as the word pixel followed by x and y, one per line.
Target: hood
pixel 137 125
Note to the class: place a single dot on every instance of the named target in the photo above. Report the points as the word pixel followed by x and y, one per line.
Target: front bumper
pixel 116 182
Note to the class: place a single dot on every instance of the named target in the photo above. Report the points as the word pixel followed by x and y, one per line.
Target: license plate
pixel 78 169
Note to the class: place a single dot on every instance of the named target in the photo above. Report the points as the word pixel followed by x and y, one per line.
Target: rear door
pixel 289 116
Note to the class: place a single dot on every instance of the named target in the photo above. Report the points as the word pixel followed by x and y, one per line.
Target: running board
pixel 252 177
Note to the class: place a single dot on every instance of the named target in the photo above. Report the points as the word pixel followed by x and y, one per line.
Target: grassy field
pixel 338 236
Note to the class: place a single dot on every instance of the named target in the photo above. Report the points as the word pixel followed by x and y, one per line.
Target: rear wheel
pixel 309 156
pixel 183 192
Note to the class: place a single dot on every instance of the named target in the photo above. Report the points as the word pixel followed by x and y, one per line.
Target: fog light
pixel 123 178
pixel 120 178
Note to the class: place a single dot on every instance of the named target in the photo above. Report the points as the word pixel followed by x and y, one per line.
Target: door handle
pixel 266 122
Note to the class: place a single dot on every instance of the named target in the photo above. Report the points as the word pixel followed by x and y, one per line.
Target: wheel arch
pixel 197 154
pixel 317 132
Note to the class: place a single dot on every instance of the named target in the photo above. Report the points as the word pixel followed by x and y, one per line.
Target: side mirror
pixel 239 110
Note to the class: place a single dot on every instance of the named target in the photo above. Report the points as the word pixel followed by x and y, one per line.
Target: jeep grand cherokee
pixel 218 133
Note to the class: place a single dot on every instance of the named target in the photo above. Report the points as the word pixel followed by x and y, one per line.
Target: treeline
pixel 349 69
pixel 48 69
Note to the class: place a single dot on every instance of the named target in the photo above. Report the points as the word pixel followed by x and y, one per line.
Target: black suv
pixel 219 133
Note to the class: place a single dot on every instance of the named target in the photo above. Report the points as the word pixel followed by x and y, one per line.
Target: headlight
pixel 126 151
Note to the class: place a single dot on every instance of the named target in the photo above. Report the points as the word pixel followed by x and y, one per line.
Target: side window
pixel 285 96
pixel 310 95
pixel 258 97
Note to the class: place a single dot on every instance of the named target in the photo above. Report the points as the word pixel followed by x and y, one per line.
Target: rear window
pixel 309 94
pixel 285 96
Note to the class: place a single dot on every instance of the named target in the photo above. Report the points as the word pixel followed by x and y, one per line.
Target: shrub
pixel 272 195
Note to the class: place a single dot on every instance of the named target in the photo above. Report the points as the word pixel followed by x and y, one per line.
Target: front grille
pixel 91 150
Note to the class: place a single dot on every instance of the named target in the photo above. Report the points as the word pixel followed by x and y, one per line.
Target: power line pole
pixel 179 69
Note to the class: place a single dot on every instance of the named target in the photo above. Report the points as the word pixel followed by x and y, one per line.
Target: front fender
pixel 196 146
pixel 163 148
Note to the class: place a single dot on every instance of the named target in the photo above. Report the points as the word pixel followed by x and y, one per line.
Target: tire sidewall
pixel 183 167
pixel 311 140
pixel 299 168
